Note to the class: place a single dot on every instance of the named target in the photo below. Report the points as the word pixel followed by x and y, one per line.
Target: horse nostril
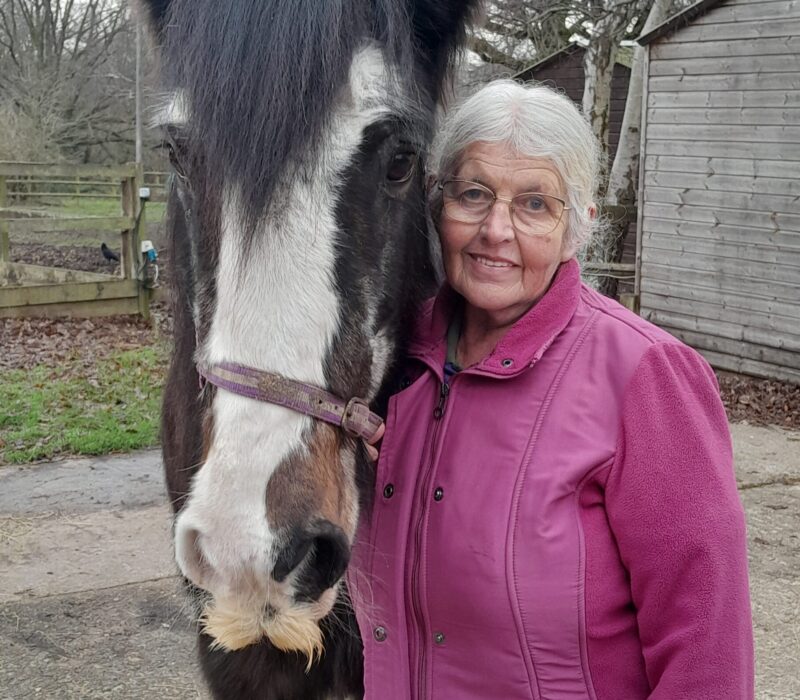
pixel 291 555
pixel 331 556
pixel 189 555
pixel 326 550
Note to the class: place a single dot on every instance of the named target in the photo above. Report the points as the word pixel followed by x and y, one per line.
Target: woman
pixel 556 514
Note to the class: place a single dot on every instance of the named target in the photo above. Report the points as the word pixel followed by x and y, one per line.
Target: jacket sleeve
pixel 674 509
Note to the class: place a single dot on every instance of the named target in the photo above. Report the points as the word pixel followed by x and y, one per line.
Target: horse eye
pixel 170 149
pixel 172 154
pixel 401 167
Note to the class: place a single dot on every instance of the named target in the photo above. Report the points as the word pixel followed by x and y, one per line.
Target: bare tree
pixel 58 72
pixel 606 23
pixel 622 180
pixel 516 32
pixel 607 247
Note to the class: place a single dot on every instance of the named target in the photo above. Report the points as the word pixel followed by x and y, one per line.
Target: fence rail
pixel 31 290
pixel 26 187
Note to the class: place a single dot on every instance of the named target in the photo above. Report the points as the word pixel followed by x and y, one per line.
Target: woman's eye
pixel 401 167
pixel 474 195
pixel 534 203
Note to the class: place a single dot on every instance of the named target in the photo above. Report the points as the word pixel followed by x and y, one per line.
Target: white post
pixel 138 89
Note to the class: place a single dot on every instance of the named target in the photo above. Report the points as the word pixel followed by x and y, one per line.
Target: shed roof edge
pixel 678 21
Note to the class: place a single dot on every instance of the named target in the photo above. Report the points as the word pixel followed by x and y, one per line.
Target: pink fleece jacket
pixel 561 522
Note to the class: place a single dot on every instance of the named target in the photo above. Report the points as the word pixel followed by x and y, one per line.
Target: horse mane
pixel 261 78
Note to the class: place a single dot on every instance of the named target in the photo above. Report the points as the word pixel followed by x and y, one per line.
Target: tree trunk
pixel 609 244
pixel 624 172
pixel 598 68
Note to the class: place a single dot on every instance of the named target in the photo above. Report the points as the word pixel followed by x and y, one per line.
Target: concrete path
pixel 90 606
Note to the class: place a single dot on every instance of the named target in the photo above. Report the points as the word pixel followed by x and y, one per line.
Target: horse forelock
pixel 261 78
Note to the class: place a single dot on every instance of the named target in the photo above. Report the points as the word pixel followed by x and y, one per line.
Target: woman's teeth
pixel 491 263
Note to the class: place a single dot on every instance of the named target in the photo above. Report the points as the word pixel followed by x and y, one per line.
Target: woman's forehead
pixel 496 164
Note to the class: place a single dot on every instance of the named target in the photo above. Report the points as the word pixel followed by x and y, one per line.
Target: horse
pixel 297 134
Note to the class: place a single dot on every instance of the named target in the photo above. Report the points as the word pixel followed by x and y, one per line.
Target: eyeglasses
pixel 532 213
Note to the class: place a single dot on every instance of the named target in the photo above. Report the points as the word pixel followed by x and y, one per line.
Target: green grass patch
pixel 83 206
pixel 88 206
pixel 112 406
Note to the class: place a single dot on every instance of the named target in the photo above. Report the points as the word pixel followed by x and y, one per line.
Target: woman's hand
pixel 372 451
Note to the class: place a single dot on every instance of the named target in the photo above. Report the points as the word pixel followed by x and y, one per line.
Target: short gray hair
pixel 535 121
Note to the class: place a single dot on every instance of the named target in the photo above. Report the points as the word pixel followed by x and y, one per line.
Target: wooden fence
pixel 34 290
pixel 38 187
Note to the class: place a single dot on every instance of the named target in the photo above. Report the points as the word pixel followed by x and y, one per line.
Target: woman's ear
pixel 592 211
pixel 568 252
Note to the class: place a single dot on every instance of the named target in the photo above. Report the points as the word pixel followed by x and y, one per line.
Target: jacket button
pixel 507 362
pixel 379 633
pixel 438 638
pixel 388 490
pixel 438 494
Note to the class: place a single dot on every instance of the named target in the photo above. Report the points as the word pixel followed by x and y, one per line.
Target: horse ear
pixel 154 13
pixel 440 26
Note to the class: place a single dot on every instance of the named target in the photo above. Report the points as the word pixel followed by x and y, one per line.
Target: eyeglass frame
pixel 441 184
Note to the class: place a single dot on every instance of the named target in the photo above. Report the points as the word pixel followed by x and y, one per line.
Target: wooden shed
pixel 719 244
pixel 564 70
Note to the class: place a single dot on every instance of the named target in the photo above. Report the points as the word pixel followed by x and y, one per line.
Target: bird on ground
pixel 108 254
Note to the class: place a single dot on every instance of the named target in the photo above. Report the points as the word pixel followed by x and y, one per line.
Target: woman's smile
pixel 492 263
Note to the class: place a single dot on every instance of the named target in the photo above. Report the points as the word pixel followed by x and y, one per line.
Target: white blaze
pixel 277 310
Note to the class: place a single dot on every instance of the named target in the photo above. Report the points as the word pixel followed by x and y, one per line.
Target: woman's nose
pixel 498 226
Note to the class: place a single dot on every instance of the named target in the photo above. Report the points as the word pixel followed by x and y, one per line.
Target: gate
pixel 36 290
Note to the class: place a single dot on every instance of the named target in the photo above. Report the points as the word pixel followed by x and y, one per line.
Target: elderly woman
pixel 556 514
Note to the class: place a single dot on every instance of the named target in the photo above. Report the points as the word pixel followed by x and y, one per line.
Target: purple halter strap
pixel 353 416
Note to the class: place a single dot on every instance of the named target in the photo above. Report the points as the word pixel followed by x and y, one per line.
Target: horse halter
pixel 353 416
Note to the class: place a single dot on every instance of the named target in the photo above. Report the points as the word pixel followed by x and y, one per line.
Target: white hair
pixel 534 121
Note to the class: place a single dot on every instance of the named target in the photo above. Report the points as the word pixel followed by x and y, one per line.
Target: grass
pixel 88 206
pixel 84 206
pixel 55 412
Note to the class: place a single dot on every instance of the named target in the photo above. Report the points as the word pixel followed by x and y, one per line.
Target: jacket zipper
pixel 438 413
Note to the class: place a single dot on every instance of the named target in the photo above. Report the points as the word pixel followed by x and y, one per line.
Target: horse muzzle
pixel 251 601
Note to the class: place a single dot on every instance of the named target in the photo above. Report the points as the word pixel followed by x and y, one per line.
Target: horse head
pixel 297 133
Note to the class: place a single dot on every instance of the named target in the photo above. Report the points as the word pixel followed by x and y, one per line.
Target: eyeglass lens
pixel 531 212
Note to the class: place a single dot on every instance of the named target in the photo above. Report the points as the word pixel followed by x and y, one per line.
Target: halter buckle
pixel 358 421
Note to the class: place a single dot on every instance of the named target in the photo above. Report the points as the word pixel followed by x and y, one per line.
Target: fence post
pixel 4 245
pixel 126 254
pixel 138 233
pixel 130 255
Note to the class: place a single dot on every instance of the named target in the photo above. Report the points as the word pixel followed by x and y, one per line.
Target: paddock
pixel 39 290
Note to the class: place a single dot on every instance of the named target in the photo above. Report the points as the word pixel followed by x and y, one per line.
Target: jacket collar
pixel 523 344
